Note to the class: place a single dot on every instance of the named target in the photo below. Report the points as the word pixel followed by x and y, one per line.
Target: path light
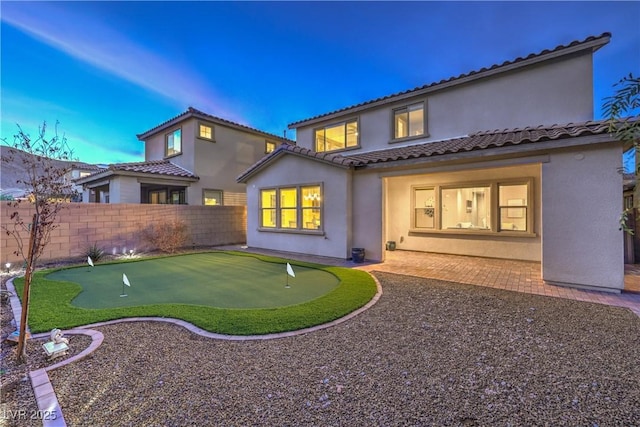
pixel 131 252
pixel 7 266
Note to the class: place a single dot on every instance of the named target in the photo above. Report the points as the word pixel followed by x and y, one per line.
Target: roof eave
pixel 256 169
pixel 592 45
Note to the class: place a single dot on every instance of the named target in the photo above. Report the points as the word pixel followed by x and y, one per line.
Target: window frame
pixel 204 190
pixel 300 226
pixel 204 138
pixel 336 124
pixel 409 137
pixel 166 143
pixel 494 227
pixel 267 143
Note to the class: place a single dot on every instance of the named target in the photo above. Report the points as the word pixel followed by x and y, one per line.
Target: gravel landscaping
pixel 428 353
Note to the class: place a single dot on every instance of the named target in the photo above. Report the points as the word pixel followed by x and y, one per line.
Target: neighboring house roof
pixel 154 167
pixel 192 112
pixel 593 43
pixel 477 141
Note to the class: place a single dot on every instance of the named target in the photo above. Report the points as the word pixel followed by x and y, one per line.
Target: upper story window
pixel 205 131
pixel 337 137
pixel 409 121
pixel 269 147
pixel 174 143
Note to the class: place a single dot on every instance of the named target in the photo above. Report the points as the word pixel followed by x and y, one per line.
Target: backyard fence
pixel 117 228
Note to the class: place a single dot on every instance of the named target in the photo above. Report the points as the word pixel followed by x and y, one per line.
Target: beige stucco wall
pixel 581 200
pixel 218 163
pixel 557 91
pixel 398 216
pixel 293 170
pixel 124 189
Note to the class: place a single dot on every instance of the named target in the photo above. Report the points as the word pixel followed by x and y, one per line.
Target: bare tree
pixel 44 162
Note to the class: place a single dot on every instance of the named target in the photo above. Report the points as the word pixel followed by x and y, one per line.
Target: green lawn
pixel 57 303
pixel 215 279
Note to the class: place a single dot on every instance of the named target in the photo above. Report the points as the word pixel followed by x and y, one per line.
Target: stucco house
pixel 502 162
pixel 192 158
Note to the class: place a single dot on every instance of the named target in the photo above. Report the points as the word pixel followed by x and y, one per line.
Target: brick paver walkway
pixel 519 276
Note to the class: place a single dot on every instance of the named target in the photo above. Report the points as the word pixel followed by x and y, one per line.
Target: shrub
pixel 167 236
pixel 94 252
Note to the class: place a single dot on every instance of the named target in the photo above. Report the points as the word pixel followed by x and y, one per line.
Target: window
pixel 425 208
pixel 288 208
pixel 470 207
pixel 466 208
pixel 205 131
pixel 291 208
pixel 513 207
pixel 174 143
pixel 268 208
pixel 178 197
pixel 211 197
pixel 408 121
pixel 269 147
pixel 158 197
pixel 337 137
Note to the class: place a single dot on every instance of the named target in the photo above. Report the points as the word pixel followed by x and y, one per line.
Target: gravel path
pixel 428 353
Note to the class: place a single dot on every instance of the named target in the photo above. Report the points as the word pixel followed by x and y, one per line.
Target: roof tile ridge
pixel 469 73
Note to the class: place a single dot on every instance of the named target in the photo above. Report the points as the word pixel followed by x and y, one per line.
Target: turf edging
pixel 50 306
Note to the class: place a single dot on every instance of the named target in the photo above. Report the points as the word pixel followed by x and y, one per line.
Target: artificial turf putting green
pixel 213 279
pixel 51 303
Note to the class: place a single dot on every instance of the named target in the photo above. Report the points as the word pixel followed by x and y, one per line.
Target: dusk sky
pixel 110 70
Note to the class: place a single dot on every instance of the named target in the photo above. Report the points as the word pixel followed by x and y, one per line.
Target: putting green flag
pixel 125 280
pixel 290 270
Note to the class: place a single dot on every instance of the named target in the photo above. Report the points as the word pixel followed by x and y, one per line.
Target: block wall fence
pixel 117 227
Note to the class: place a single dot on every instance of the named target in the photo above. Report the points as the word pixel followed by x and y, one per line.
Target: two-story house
pixel 192 158
pixel 501 162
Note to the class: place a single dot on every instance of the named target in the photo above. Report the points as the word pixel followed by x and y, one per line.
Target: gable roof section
pixel 590 43
pixel 192 112
pixel 160 168
pixel 478 141
pixel 328 158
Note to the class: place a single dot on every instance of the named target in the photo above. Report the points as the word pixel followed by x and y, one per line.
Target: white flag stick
pixel 125 281
pixel 290 270
pixel 90 261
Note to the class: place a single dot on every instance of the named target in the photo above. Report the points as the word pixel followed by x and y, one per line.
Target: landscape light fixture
pixel 7 266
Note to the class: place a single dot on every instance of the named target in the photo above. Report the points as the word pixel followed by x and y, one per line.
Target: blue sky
pixel 110 70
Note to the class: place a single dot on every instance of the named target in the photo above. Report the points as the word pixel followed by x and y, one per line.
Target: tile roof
pixel 153 167
pixel 593 42
pixel 335 159
pixel 477 141
pixel 192 112
pixel 159 167
pixel 481 141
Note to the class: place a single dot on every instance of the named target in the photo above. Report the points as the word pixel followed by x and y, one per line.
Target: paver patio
pixel 519 276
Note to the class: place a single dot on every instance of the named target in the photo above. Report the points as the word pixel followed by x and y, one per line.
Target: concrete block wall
pixel 116 228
